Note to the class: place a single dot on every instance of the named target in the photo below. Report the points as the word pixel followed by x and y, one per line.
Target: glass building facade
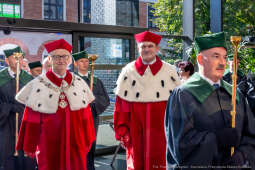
pixel 53 10
pixel 127 12
pixel 86 11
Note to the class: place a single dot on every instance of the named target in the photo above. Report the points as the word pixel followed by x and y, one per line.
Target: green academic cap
pixel 34 64
pixel 79 55
pixel 10 52
pixel 210 41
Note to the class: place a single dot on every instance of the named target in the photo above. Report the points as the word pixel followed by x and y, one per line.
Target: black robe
pixel 242 81
pixel 8 109
pixel 250 94
pixel 98 106
pixel 195 112
pixel 228 77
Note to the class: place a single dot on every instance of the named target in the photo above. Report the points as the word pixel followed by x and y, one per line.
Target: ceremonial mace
pixel 17 56
pixel 235 41
pixel 92 58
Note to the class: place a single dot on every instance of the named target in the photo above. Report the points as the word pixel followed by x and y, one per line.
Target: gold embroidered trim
pixel 56 89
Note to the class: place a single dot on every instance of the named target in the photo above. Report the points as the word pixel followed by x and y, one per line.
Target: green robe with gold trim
pixel 196 111
pixel 8 109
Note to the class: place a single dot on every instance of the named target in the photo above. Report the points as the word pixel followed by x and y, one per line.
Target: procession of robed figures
pixel 165 116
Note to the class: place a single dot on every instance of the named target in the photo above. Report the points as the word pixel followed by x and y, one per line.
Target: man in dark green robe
pixel 8 109
pixel 198 121
pixel 35 68
pixel 101 102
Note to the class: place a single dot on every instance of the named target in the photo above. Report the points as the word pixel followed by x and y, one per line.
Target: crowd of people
pixel 165 117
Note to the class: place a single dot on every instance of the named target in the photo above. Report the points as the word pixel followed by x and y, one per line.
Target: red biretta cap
pixel 58 44
pixel 148 36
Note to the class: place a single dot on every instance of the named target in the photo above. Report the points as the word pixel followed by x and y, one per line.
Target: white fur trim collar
pixel 133 87
pixel 42 95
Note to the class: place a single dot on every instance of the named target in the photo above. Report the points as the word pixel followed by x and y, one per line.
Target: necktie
pixel 216 86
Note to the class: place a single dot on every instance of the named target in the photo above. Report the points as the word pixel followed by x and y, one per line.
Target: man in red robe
pixel 143 89
pixel 57 126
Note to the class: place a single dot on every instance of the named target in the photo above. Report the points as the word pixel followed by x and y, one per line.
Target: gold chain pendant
pixel 62 102
pixel 62 96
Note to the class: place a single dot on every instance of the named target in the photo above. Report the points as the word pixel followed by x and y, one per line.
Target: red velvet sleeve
pixel 29 133
pixel 121 117
pixel 90 134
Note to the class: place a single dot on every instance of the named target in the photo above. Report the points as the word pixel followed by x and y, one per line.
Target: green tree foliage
pixel 238 19
pixel 169 16
pixel 247 60
pixel 202 17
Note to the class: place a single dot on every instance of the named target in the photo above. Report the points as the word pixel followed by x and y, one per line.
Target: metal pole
pixel 215 16
pixel 188 24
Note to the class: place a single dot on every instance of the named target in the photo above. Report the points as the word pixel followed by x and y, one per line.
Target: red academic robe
pixel 145 122
pixel 140 125
pixel 60 141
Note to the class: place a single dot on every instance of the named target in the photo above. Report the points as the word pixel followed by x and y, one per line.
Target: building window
pixel 86 11
pixel 53 9
pixel 9 10
pixel 127 12
pixel 151 17
pixel 114 53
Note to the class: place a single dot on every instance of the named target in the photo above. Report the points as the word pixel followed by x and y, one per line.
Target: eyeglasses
pixel 58 57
